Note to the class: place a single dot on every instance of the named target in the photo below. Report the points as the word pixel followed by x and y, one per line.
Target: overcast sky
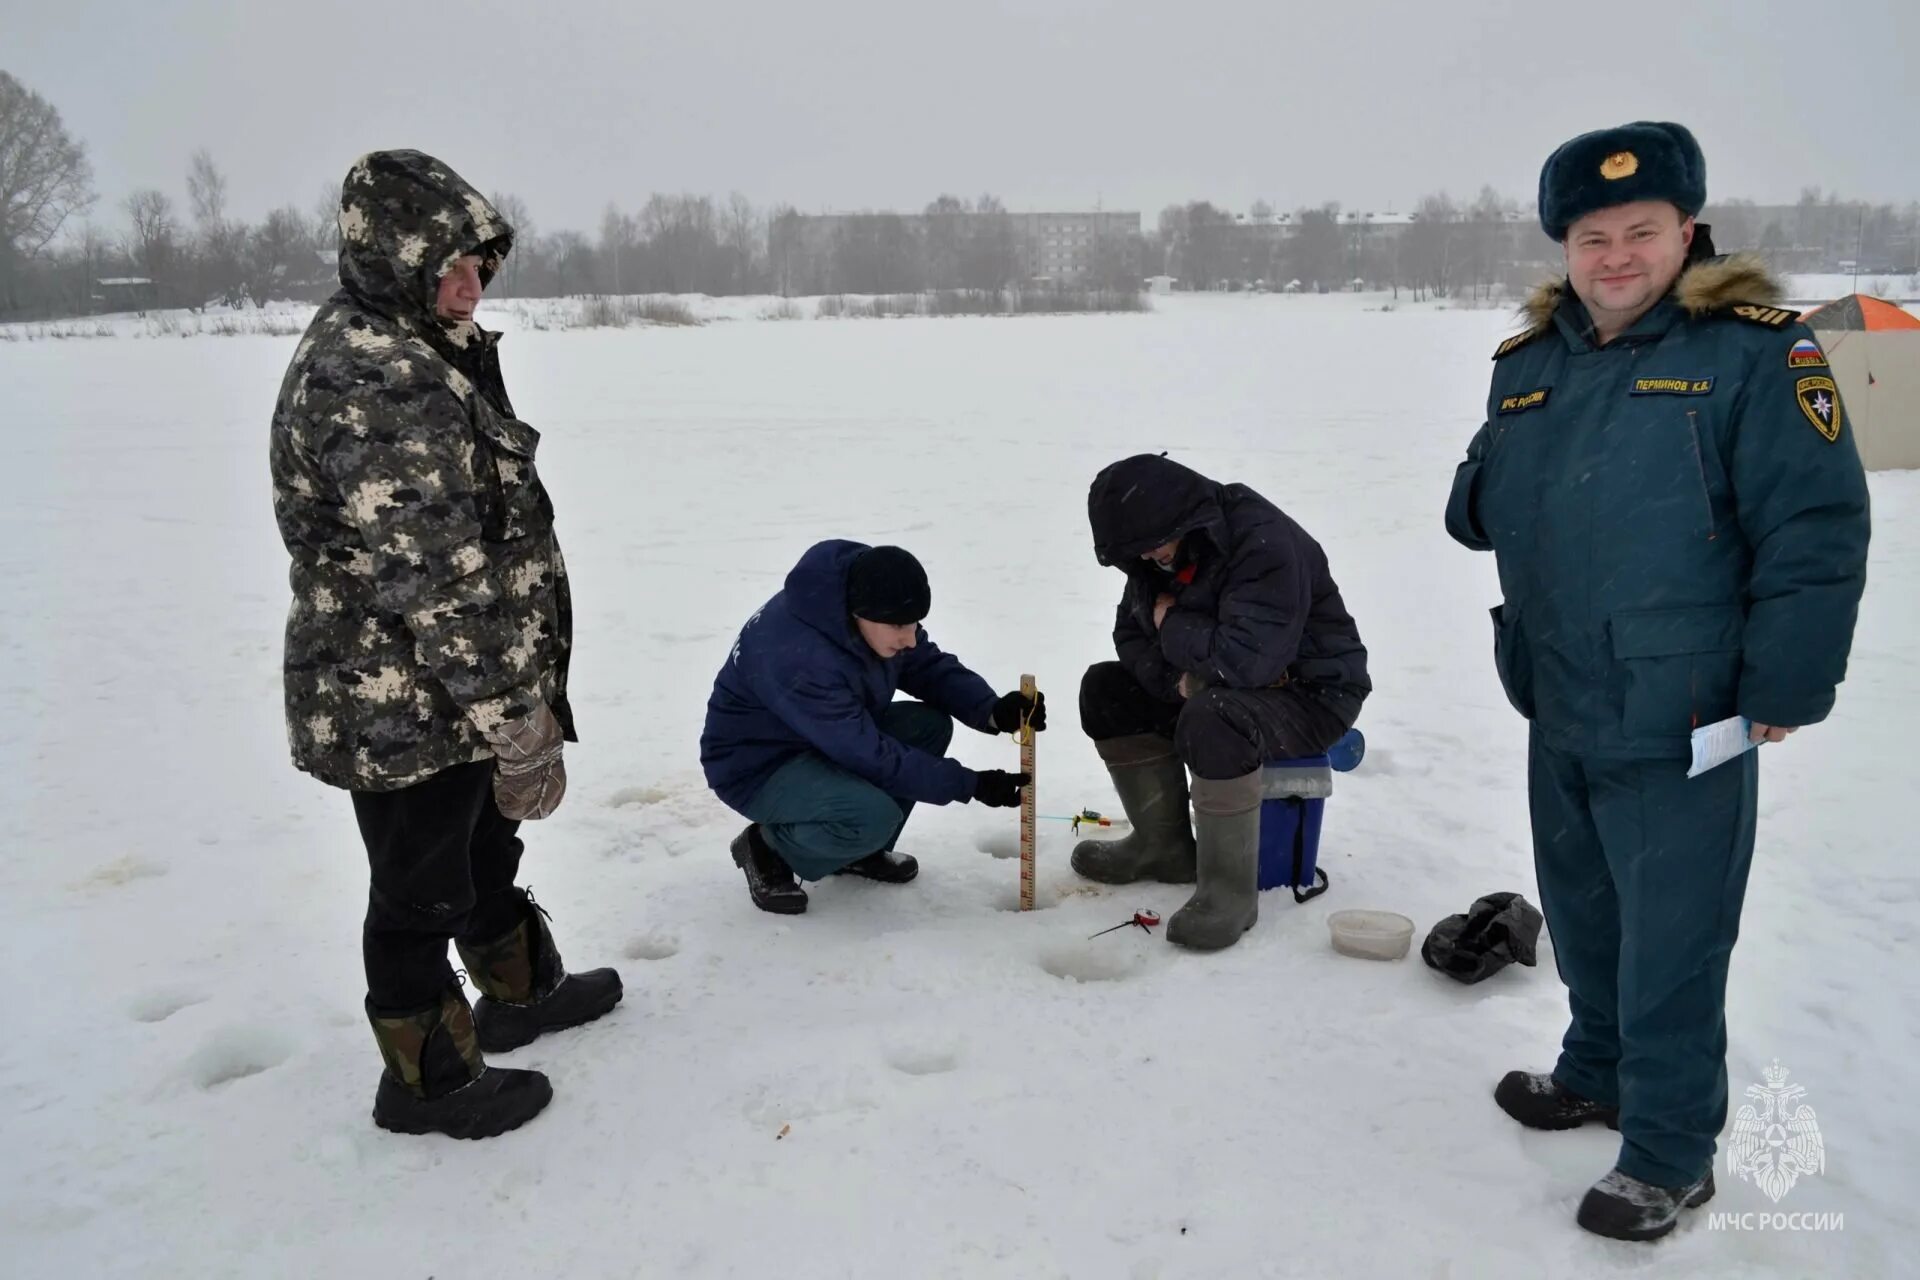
pixel 851 104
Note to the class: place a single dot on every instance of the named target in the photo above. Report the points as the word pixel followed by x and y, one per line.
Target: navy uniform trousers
pixel 1642 873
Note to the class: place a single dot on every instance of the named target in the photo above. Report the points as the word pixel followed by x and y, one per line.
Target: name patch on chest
pixel 1521 403
pixel 1672 386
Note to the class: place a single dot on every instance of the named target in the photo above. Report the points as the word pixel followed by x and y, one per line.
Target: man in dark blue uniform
pixel 1668 481
pixel 805 739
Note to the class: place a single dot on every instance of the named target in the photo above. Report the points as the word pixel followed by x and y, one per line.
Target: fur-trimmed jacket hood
pixel 1707 285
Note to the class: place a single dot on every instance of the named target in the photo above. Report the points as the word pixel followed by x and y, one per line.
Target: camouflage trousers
pixel 442 861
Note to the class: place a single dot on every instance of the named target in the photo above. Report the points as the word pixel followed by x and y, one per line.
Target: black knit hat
pixel 1649 160
pixel 886 584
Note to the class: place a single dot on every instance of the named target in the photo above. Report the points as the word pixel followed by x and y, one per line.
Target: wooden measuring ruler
pixel 1028 804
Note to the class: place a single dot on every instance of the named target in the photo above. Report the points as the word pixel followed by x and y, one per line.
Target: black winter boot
pixel 1538 1101
pixel 1625 1208
pixel 769 879
pixel 437 1082
pixel 885 866
pixel 526 990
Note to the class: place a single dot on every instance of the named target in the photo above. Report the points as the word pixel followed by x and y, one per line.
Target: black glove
pixel 999 789
pixel 1007 712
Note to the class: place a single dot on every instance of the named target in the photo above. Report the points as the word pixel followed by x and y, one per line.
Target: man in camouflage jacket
pixel 428 639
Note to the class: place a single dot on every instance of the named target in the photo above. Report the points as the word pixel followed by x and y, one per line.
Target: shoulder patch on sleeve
pixel 1820 401
pixel 1518 341
pixel 1754 313
pixel 1806 354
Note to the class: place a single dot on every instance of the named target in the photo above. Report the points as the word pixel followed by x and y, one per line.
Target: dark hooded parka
pixel 1254 604
pixel 1255 608
pixel 430 599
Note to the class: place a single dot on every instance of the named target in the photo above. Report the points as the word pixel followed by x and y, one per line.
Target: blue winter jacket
pixel 1679 517
pixel 801 679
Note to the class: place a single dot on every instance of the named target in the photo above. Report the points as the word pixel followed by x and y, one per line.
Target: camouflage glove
pixel 529 777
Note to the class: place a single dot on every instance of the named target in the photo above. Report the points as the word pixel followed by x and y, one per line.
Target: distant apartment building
pixel 1062 246
pixel 826 251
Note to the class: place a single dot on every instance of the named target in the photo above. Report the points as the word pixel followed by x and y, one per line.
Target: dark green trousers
pixel 1642 872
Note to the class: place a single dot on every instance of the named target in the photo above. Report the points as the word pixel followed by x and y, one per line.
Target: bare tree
pixel 786 258
pixel 1428 247
pixel 206 189
pixel 743 231
pixel 877 253
pixel 619 238
pixel 948 224
pixel 1488 242
pixel 1117 263
pixel 279 255
pixel 44 179
pixel 1196 233
pixel 990 254
pixel 572 259
pixel 325 214
pixel 1319 248
pixel 153 238
pixel 526 246
pixel 219 246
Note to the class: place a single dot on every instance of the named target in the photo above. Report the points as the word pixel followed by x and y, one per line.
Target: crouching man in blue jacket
pixel 804 739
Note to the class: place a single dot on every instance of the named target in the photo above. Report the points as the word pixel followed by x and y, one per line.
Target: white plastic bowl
pixel 1371 935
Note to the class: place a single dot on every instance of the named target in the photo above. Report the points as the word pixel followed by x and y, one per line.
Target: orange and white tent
pixel 1874 349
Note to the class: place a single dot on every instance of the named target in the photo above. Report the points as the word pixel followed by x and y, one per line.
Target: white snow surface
pixel 1895 286
pixel 963 1090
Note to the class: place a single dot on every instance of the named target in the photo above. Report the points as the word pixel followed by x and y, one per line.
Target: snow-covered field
pixel 1893 286
pixel 963 1090
pixel 549 315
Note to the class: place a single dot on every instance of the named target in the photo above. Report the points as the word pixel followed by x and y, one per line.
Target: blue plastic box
pixel 1293 800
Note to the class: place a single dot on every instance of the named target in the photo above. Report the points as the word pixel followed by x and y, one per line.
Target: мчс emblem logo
pixel 1820 401
pixel 1775 1140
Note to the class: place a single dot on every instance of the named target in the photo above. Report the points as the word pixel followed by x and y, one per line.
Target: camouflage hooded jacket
pixel 429 597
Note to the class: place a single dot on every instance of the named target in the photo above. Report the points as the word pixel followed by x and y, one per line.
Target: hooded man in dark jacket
pixel 1668 483
pixel 1234 649
pixel 804 738
pixel 427 643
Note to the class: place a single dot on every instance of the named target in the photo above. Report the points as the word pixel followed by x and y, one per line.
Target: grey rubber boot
pixel 1226 819
pixel 1152 784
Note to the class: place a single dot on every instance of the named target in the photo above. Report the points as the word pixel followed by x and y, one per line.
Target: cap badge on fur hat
pixel 1621 164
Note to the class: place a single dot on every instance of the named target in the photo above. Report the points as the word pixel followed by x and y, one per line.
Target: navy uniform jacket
pixel 801 679
pixel 1679 517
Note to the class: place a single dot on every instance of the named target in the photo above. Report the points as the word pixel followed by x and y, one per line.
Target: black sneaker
pixel 886 866
pixel 1625 1208
pixel 769 879
pixel 1538 1101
